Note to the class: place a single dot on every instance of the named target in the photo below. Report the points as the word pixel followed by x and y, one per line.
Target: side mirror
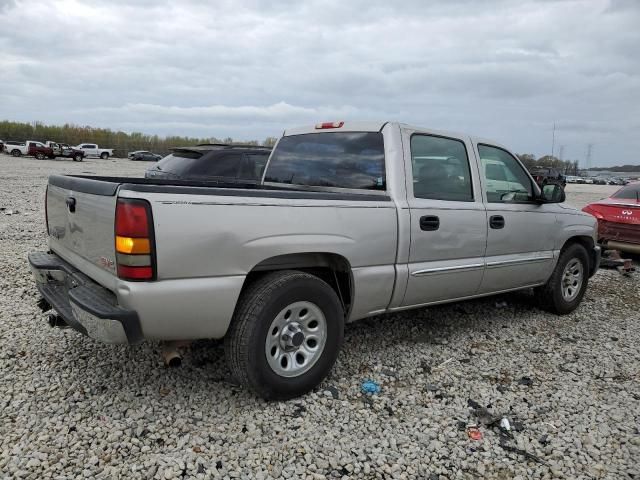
pixel 552 193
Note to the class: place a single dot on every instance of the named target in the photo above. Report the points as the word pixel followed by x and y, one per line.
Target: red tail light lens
pixel 134 240
pixel 591 210
pixel 132 219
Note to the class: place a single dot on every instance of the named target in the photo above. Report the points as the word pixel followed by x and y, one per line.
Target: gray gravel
pixel 72 408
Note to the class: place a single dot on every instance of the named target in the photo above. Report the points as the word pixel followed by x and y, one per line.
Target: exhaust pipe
pixel 56 321
pixel 171 354
pixel 623 247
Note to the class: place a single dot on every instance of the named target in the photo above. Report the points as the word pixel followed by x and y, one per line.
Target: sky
pixel 501 69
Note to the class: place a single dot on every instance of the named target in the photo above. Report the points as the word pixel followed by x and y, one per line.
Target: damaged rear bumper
pixel 83 304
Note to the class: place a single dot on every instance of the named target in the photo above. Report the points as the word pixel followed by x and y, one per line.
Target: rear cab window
pixel 353 160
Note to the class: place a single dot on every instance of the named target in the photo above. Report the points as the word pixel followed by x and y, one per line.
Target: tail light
pixel 591 210
pixel 135 244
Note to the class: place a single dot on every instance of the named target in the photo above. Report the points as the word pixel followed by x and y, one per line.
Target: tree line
pixel 121 142
pixel 567 167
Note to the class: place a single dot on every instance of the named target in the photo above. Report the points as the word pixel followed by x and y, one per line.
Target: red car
pixel 619 219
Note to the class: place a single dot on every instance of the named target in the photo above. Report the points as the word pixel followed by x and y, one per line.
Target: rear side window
pixel 218 165
pixel 178 162
pixel 631 192
pixel 253 166
pixel 336 159
pixel 440 168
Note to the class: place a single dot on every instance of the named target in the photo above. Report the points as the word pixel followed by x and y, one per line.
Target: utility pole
pixel 553 138
pixel 588 159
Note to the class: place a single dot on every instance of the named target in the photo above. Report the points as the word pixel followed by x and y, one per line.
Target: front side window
pixel 505 179
pixel 440 168
pixel 336 159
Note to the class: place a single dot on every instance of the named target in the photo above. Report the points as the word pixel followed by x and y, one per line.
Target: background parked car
pixel 144 156
pixel 212 161
pixel 92 150
pixel 544 176
pixel 66 151
pixel 39 150
pixel 600 181
pixel 619 219
pixel 15 148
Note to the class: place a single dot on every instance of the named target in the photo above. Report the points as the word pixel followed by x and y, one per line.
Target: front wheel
pixel 104 155
pixel 565 288
pixel 39 156
pixel 77 157
pixel 285 335
pixel 16 153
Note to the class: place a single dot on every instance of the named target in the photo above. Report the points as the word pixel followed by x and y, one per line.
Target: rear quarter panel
pixel 207 236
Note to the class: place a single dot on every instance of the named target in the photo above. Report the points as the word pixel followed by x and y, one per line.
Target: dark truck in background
pixel 66 151
pixel 548 176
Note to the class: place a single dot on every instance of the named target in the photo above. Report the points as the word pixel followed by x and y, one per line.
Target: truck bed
pixel 108 186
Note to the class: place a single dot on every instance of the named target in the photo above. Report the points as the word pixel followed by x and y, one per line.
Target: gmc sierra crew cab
pixel 348 221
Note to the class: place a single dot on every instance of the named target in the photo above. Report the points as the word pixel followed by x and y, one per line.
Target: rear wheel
pixel 77 157
pixel 39 155
pixel 16 152
pixel 564 291
pixel 286 334
pixel 104 155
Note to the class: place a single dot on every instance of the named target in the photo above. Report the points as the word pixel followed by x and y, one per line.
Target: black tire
pixel 104 155
pixel 77 157
pixel 39 156
pixel 549 296
pixel 16 152
pixel 257 307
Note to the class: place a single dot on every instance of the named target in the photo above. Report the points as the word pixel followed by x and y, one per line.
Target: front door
pixel 522 232
pixel 448 219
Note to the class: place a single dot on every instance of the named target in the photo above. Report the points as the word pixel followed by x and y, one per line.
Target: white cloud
pixel 501 69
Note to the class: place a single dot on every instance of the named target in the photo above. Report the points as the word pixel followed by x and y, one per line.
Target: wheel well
pixel 330 267
pixel 588 244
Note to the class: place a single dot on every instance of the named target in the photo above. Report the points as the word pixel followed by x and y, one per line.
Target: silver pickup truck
pixel 348 221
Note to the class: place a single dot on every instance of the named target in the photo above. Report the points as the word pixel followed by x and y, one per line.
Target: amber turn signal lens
pixel 132 245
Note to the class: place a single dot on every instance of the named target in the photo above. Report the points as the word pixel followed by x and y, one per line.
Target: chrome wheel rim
pixel 296 339
pixel 572 278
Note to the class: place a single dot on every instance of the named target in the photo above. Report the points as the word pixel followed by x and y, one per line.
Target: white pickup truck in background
pixel 92 150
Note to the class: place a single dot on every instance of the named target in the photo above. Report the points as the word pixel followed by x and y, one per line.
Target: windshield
pixel 630 192
pixel 337 159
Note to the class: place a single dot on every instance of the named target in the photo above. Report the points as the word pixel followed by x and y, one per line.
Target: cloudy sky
pixel 503 69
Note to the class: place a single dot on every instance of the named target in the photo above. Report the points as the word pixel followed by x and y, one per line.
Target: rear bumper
pixel 83 304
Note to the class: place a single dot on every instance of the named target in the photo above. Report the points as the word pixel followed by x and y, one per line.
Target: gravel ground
pixel 71 407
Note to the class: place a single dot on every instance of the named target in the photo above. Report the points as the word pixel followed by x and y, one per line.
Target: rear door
pixel 448 219
pixel 522 233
